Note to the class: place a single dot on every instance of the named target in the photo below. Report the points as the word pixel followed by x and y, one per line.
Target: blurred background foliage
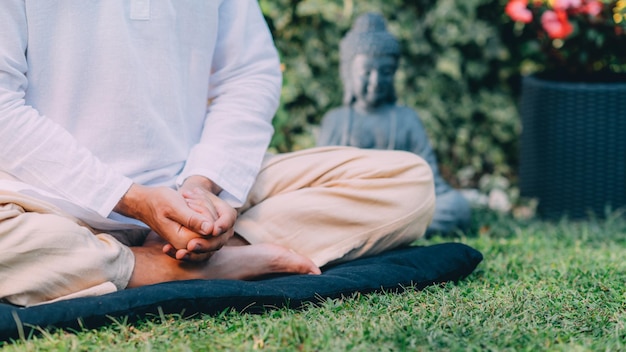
pixel 459 70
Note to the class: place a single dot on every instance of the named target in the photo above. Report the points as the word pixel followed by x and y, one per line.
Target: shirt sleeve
pixel 244 91
pixel 33 148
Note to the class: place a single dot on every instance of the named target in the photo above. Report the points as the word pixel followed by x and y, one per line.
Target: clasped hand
pixel 193 221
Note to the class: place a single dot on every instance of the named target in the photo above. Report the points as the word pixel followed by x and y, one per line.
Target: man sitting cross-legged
pixel 115 173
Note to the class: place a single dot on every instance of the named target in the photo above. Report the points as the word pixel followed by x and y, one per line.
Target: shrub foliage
pixel 455 71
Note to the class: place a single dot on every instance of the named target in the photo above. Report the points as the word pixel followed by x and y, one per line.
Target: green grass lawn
pixel 553 286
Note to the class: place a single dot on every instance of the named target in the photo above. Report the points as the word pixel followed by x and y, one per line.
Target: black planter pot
pixel 573 146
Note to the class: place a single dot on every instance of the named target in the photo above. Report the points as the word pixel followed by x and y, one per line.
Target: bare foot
pixel 231 262
pixel 251 261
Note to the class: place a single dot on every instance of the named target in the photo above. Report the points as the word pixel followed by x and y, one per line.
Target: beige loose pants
pixel 330 204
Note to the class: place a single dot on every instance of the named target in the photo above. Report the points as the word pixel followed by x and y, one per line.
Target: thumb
pixel 199 223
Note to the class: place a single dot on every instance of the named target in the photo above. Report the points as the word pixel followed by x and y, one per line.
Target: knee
pixel 401 176
pixel 415 198
pixel 418 178
pixel 58 256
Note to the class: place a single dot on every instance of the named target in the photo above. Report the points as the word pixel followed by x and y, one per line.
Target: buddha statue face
pixel 369 59
pixel 372 78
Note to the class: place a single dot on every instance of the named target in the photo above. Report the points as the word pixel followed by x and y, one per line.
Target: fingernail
pixel 206 227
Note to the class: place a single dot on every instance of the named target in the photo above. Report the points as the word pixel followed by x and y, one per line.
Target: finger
pixel 169 250
pixel 183 235
pixel 197 193
pixel 182 254
pixel 197 257
pixel 204 202
pixel 185 255
pixel 206 244
pixel 192 221
pixel 177 235
pixel 227 216
pixel 192 192
pixel 202 207
pixel 225 221
pixel 203 196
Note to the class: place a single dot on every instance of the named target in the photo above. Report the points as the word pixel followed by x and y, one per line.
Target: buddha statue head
pixel 369 59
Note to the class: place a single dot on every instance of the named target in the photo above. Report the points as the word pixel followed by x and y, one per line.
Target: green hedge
pixel 456 71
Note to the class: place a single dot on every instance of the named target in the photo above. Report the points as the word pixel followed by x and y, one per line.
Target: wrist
pixel 127 205
pixel 204 183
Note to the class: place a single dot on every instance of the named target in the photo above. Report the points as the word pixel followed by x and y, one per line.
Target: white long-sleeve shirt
pixel 95 95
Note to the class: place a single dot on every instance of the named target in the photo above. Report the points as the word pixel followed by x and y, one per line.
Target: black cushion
pixel 395 270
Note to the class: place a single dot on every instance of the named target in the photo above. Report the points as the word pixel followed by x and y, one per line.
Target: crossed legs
pixel 306 210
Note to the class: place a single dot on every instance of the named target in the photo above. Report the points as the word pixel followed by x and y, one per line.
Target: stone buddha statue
pixel 370 117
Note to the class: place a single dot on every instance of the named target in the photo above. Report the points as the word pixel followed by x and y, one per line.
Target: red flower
pixel 517 10
pixel 577 36
pixel 556 24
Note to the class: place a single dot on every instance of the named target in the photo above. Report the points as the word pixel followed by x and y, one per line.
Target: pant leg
pixel 335 204
pixel 45 255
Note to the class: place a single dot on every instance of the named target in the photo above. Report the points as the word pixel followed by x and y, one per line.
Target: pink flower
pixel 592 8
pixel 566 4
pixel 517 10
pixel 556 24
